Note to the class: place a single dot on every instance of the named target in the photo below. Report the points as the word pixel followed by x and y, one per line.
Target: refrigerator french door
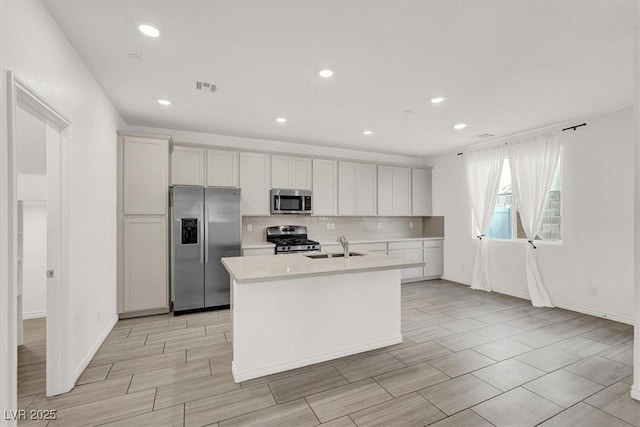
pixel 206 226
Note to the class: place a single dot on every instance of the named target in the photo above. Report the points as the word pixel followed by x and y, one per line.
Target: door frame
pixel 59 374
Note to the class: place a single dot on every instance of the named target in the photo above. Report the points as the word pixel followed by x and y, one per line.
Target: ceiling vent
pixel 206 86
pixel 485 135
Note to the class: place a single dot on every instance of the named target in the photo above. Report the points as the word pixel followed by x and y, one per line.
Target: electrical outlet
pixel 249 228
pixel 411 224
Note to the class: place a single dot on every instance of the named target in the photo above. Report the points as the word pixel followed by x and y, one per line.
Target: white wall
pixel 34 255
pixel 592 270
pixel 32 143
pixel 36 50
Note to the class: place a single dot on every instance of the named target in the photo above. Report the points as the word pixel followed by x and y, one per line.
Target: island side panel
pixel 287 324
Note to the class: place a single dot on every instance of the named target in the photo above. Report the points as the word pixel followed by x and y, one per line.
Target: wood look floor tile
pixel 600 370
pixel 340 422
pixel 508 374
pixel 192 389
pixel 84 394
pixel 460 363
pixel 94 373
pixel 347 399
pixel 622 353
pixel 158 377
pixel 420 353
pixel 407 411
pixel 105 411
pixel 275 377
pixel 459 393
pixel 292 414
pixel 610 335
pixel 466 418
pixel 177 344
pixel 616 400
pixel 306 383
pixel 517 407
pixel 502 349
pixel 410 379
pixel 147 329
pixel 537 338
pixel 360 369
pixel 496 332
pixel 134 366
pixel 161 319
pixel 118 333
pixel 142 351
pixel 584 415
pixel 228 405
pixel 210 351
pixel 548 358
pixel 217 328
pixel 335 362
pixel 179 333
pixel 580 346
pixel 429 333
pixel 563 388
pixel 463 341
pixel 169 417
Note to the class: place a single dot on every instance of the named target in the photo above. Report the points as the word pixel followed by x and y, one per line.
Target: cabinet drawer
pixel 432 244
pixel 258 251
pixel 413 244
pixel 368 247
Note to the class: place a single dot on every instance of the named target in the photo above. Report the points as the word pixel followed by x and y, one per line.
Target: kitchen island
pixel 290 311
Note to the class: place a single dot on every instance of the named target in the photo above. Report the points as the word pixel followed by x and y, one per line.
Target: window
pixel 506 219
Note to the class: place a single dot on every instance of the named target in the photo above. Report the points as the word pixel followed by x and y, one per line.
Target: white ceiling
pixel 504 67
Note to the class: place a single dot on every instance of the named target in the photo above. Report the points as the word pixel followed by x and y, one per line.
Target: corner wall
pixel 592 270
pixel 34 47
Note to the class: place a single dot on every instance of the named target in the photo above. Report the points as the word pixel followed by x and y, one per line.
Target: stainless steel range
pixel 291 238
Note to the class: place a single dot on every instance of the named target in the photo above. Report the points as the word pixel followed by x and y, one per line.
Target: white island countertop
pixel 265 268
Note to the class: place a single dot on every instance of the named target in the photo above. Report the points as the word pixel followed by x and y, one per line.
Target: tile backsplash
pixel 355 228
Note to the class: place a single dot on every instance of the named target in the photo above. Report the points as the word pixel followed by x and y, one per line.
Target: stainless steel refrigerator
pixel 206 226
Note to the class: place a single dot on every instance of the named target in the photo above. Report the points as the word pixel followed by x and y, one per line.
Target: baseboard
pixel 456 280
pixel 94 349
pixel 635 392
pixel 590 312
pixel 256 373
pixel 34 315
pixel 512 293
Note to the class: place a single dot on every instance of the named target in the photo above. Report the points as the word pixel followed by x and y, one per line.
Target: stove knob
pixel 308 247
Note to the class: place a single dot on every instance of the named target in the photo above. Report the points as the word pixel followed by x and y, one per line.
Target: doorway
pixel 37 147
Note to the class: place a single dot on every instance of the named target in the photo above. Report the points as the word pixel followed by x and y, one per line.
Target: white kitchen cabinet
pixel 145 264
pixel 290 172
pixel 187 165
pixel 255 183
pixel 258 251
pixel 421 192
pixel 410 254
pixel 325 187
pixel 357 192
pixel 222 168
pixel 432 257
pixel 394 191
pixel 145 175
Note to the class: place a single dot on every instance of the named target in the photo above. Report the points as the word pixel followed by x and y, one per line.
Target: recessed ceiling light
pixel 281 119
pixel 459 126
pixel 438 99
pixel 326 73
pixel 367 132
pixel 149 30
pixel 164 102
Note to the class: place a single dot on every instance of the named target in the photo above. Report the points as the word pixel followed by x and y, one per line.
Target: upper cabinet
pixel 187 165
pixel 145 175
pixel 357 193
pixel 290 172
pixel 325 187
pixel 222 168
pixel 255 182
pixel 394 191
pixel 421 192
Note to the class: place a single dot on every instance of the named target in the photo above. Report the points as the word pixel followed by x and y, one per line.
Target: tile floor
pixel 468 358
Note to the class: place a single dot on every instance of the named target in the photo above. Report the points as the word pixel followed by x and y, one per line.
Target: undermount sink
pixel 330 255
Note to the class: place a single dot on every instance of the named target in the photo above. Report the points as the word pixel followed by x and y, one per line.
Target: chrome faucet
pixel 345 245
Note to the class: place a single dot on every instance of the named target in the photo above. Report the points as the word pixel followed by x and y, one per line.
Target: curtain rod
pixel 568 128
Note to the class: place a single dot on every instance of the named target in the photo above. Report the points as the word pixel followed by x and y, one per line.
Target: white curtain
pixel 533 164
pixel 483 167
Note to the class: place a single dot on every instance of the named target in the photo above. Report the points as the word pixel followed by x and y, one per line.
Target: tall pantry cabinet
pixel 143 213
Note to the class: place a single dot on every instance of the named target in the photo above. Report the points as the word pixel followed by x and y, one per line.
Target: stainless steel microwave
pixel 285 201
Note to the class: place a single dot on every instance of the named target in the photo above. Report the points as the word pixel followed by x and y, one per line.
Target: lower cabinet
pixel 432 256
pixel 145 258
pixel 412 255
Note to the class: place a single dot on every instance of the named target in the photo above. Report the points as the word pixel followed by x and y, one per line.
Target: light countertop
pixel 261 245
pixel 265 268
